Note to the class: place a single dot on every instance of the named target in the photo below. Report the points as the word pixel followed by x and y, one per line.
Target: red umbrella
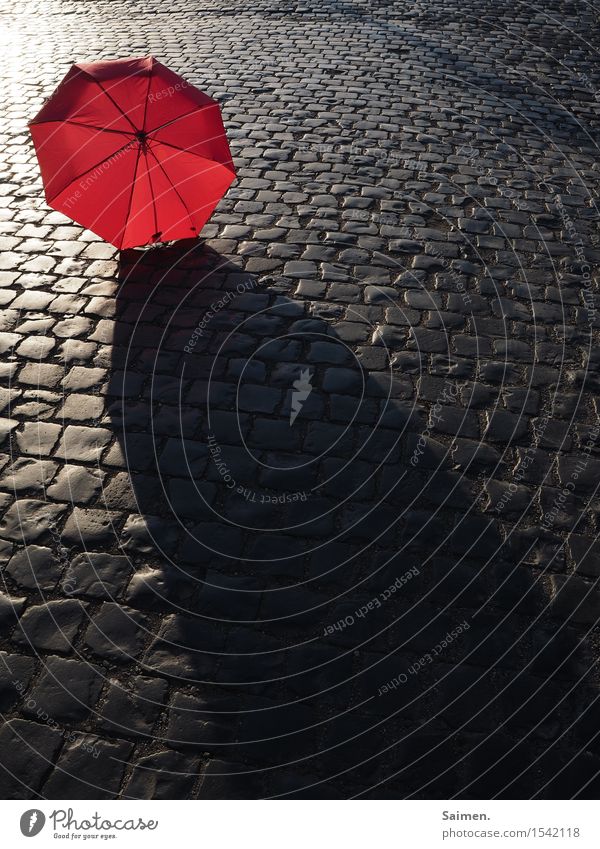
pixel 133 152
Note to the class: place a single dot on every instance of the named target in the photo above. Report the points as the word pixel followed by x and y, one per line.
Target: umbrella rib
pixel 82 124
pixel 152 194
pixel 112 100
pixel 87 170
pixel 191 152
pixel 148 93
pixel 179 117
pixel 137 162
pixel 160 165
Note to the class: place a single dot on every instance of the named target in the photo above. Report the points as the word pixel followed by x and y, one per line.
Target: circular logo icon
pixel 32 822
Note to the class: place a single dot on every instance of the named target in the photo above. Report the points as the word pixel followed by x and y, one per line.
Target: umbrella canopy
pixel 133 152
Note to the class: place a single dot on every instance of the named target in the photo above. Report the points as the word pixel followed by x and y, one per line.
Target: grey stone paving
pixel 395 594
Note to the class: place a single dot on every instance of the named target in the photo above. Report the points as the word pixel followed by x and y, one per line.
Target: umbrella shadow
pixel 339 608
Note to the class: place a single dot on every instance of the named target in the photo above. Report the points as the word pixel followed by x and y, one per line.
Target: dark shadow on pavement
pixel 337 610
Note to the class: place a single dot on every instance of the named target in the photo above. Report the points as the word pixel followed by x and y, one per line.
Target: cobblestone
pixel 34 567
pixel 67 689
pixel 51 626
pixel 89 768
pixel 30 749
pixel 396 369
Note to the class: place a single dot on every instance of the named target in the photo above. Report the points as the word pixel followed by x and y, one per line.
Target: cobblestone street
pixel 308 507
